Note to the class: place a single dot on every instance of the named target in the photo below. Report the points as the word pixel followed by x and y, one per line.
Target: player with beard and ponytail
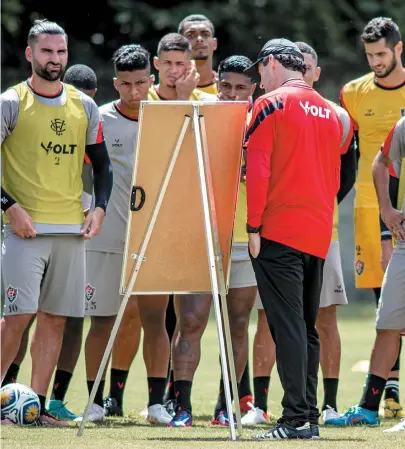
pixel 46 129
pixel 375 102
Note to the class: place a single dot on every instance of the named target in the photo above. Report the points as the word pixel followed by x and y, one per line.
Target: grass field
pixel 357 332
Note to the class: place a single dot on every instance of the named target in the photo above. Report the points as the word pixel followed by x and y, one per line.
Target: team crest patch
pixel 11 293
pixel 402 112
pixel 359 267
pixel 89 292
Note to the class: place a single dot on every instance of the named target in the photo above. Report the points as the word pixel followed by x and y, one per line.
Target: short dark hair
pixel 381 28
pixel 81 76
pixel 129 58
pixel 307 49
pixel 195 18
pixel 235 64
pixel 174 42
pixel 290 62
pixel 44 27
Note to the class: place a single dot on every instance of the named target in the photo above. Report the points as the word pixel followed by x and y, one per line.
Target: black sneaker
pixel 315 431
pixel 111 407
pixel 287 430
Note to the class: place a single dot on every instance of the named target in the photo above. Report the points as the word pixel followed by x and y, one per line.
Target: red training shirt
pixel 293 167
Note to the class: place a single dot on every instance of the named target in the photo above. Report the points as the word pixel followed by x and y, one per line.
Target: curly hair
pixel 381 28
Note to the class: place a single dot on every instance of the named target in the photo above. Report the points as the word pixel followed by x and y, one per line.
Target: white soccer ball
pixel 20 404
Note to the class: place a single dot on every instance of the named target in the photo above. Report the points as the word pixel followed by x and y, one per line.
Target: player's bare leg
pixel 329 354
pixel 192 317
pixel 12 330
pixel 392 405
pixel 156 353
pixel 264 358
pixel 240 303
pixel 68 357
pixel 96 342
pixel 14 368
pixel 45 350
pixel 124 351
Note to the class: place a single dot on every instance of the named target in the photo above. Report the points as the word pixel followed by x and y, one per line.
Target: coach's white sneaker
pixel 255 416
pixel 157 414
pixel 398 428
pixel 328 414
pixel 96 414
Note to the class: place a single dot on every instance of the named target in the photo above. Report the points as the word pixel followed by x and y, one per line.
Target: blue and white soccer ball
pixel 20 404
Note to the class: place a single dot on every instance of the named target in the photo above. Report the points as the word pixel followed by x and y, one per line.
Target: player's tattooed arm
pixel 391 217
pixel 393 193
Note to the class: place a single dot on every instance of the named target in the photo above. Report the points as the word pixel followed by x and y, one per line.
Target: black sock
pixel 98 399
pixel 42 400
pixel 156 388
pixel 60 384
pixel 117 384
pixel 244 385
pixel 397 361
pixel 373 390
pixel 221 402
pixel 392 389
pixel 183 394
pixel 170 392
pixel 11 375
pixel 261 390
pixel 330 387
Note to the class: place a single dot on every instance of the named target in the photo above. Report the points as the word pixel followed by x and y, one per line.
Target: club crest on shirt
pixel 11 293
pixel 402 112
pixel 359 267
pixel 58 126
pixel 89 292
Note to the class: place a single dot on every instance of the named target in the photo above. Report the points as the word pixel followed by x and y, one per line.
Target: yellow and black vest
pixel 43 157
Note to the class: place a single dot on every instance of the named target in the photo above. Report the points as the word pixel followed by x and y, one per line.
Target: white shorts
pixel 333 288
pixel 333 291
pixel 242 274
pixel 102 291
pixel 391 308
pixel 46 273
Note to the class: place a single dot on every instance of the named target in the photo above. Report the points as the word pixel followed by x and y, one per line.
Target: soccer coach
pixel 293 170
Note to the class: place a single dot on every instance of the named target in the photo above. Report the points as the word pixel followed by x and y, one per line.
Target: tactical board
pixel 176 259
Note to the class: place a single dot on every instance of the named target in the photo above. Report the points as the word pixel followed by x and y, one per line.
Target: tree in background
pixel 242 26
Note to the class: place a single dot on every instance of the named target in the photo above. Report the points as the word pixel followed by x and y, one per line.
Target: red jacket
pixel 293 167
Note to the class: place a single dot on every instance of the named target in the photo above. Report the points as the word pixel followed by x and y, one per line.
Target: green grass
pixel 357 332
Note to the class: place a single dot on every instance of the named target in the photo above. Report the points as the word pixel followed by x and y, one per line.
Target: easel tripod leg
pixel 134 273
pixel 212 265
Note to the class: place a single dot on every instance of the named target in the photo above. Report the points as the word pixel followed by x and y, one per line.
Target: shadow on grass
pixel 246 439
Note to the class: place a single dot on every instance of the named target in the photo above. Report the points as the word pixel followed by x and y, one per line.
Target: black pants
pixel 289 283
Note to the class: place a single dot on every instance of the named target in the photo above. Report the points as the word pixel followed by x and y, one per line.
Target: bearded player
pixel 45 230
pixel 83 78
pixel 375 103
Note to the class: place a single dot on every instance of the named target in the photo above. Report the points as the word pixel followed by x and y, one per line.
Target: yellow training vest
pixel 210 89
pixel 240 234
pixel 43 157
pixel 196 95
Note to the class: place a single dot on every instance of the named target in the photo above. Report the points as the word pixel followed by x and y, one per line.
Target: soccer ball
pixel 20 404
